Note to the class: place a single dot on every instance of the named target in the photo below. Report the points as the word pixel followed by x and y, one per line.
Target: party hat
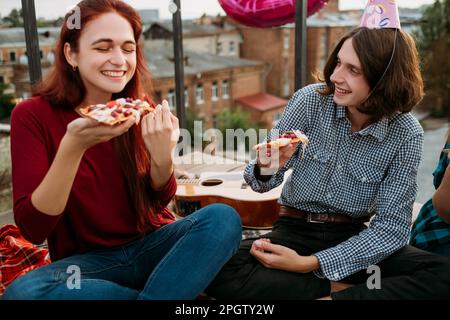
pixel 381 14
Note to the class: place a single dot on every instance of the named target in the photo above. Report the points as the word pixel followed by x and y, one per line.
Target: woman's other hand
pixel 160 131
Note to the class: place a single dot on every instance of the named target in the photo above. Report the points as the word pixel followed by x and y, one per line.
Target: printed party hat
pixel 381 14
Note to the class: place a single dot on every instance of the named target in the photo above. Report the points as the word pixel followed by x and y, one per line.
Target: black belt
pixel 312 217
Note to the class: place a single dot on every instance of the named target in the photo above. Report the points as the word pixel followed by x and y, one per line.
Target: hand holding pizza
pixel 271 159
pixel 273 154
pixel 83 133
pixel 160 131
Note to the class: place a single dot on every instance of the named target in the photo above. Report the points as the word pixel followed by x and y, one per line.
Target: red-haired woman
pixel 98 194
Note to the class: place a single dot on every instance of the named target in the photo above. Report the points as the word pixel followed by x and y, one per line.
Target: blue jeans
pixel 174 262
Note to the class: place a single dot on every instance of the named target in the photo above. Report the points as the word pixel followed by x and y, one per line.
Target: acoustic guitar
pixel 257 210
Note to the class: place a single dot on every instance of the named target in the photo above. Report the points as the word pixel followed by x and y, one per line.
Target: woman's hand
pixel 83 133
pixel 160 131
pixel 275 256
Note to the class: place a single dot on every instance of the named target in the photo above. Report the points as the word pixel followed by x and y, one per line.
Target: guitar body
pixel 257 210
pixel 257 214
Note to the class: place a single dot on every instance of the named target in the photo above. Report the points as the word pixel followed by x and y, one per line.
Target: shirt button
pixel 364 179
pixel 315 157
pixel 339 167
pixel 329 195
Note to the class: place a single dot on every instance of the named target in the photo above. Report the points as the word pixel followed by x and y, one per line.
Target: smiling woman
pixel 99 193
pixel 105 64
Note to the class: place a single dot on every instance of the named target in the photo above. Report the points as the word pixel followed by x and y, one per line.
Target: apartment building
pixel 212 83
pixel 204 35
pixel 14 59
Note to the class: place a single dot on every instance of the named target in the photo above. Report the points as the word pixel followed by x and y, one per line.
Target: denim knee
pixel 26 287
pixel 225 222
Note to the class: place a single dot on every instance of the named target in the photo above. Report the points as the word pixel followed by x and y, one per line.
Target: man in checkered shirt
pixel 361 161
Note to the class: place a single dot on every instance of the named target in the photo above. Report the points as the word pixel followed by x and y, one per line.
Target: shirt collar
pixel 378 129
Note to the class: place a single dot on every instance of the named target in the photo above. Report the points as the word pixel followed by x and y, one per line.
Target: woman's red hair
pixel 63 88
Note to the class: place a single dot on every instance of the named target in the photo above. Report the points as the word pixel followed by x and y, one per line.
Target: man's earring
pixel 74 68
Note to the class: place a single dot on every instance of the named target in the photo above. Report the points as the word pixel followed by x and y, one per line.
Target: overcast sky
pixel 190 8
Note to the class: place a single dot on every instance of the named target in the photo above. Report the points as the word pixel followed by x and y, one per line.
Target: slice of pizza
pixel 117 111
pixel 285 139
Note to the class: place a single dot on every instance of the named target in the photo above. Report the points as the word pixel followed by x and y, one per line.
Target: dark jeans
pixel 443 249
pixel 409 273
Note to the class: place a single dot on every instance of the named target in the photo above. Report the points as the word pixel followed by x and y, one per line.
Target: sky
pixel 189 8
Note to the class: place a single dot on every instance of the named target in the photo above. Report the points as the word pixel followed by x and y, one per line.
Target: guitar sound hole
pixel 211 182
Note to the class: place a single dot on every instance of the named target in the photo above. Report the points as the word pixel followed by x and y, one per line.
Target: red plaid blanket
pixel 17 256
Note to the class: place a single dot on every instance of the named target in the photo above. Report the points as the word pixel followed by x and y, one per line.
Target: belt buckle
pixel 311 220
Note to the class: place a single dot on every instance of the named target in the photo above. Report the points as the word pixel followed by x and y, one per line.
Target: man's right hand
pixel 269 160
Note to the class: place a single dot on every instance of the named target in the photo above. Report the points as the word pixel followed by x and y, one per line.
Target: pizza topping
pixel 117 111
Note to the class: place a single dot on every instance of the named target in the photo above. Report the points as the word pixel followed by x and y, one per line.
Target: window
pixel 171 99
pixel 286 40
pixel 232 48
pixel 225 89
pixel 199 94
pixel 1 57
pixel 323 48
pixel 12 56
pixel 2 79
pixel 186 97
pixel 41 54
pixel 286 77
pixel 215 91
pixel 286 89
pixel 219 48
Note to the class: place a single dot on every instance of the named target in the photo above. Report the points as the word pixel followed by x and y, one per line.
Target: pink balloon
pixel 266 13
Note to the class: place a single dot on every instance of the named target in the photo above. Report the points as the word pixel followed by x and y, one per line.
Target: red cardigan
pixel 98 213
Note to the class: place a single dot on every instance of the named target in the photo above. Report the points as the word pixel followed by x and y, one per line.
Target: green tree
pixel 6 102
pixel 433 40
pixel 236 119
pixel 43 23
pixel 14 19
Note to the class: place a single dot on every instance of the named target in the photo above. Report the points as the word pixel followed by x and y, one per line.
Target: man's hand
pixel 275 256
pixel 269 160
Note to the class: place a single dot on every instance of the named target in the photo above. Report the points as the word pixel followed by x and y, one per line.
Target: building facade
pixel 212 83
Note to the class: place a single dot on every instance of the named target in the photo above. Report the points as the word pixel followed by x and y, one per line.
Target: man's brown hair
pixel 395 89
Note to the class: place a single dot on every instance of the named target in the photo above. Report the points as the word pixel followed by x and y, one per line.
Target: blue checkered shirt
pixel 370 172
pixel 429 230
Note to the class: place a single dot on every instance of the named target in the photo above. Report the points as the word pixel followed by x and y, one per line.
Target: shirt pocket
pixel 363 183
pixel 365 173
pixel 316 153
pixel 313 165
